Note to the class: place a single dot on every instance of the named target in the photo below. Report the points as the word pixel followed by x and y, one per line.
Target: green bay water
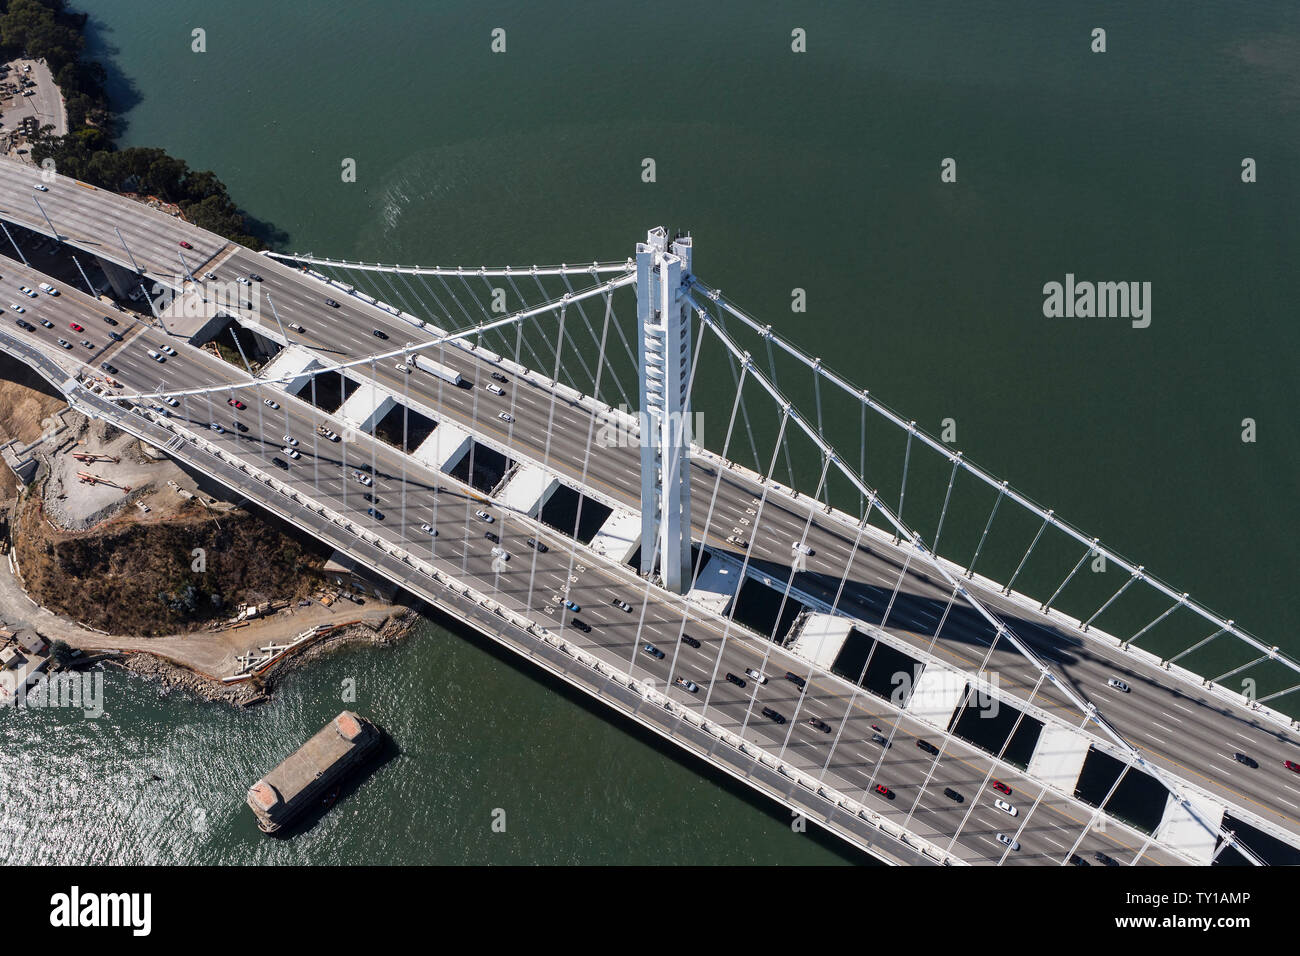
pixel 816 170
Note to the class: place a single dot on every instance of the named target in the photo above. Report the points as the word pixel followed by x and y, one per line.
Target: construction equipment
pixel 87 478
pixel 89 458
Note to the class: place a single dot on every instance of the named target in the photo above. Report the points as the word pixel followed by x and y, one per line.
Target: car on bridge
pixel 953 795
pixel 270 403
pixel 114 337
pixel 1001 787
pixel 737 541
pixel 653 651
pixel 331 303
pixel 1005 807
pixel 255 277
pixel 65 343
pixel 690 641
pixel 403 368
pixel 167 348
pixel 1247 761
pixel 877 738
pixel 291 452
pixel 108 319
pixel 375 513
pixel 429 529
pixel 174 403
pixel 501 553
pixel 499 377
pixel 364 479
pixel 291 441
pixel 757 676
pixel 733 679
pixel 112 370
pixel 774 715
pixel 883 791
pixel 927 746
pixel 537 546
pixel 280 463
pixel 45 322
pixel 802 549
pixel 88 344
pixel 795 679
pixel 239 426
pixel 1104 859
pixel 1292 766
pixel 575 608
pixel 377 333
pixel 818 724
pixel 75 327
pixel 185 245
pixel 26 326
pixel 1076 860
pixel 495 389
pixel 156 356
pixel 1007 841
pixel 326 433
pixel 1118 684
pixel 581 625
pixel 27 292
pixel 506 417
pixel 236 403
pixel 17 308
pixel 689 685
pixel 492 536
pixel 41 188
pixel 242 281
pixel 216 428
pixel 48 289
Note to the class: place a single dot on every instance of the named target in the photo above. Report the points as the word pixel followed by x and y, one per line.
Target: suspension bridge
pixel 811 593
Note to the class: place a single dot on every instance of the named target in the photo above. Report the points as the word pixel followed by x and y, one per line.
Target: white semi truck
pixel 426 364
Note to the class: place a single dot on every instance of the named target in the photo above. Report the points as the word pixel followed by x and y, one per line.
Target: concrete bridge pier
pixel 123 281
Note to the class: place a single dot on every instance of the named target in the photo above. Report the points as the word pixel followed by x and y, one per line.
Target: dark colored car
pixel 110 320
pixel 1076 860
pixel 927 746
pixel 240 426
pixel 280 463
pixel 255 277
pixel 952 794
pixel 331 303
pixel 499 377
pixel 880 740
pixel 110 369
pixel 369 497
pixel 537 546
pixel 581 625
pixel 653 651
pixel 379 333
pixel 1243 759
pixel 1105 860
pixel 883 791
pixel 492 536
pixel 24 325
pixel 1001 787
pixel 687 639
pixel 773 715
pixel 375 513
pixel 819 724
pixel 115 336
pixel 738 681
pixel 796 680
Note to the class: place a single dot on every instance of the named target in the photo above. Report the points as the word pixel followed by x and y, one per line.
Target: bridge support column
pixel 664 330
pixel 123 281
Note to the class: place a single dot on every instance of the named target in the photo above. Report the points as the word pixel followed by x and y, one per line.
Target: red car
pixel 75 327
pixel 236 403
pixel 1293 766
pixel 185 245
pixel 884 791
pixel 1002 787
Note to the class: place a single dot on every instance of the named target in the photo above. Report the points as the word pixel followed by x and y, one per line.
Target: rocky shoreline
pixel 170 676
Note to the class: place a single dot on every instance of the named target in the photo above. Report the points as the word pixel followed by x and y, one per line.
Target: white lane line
pixel 1185 710
pixel 1172 717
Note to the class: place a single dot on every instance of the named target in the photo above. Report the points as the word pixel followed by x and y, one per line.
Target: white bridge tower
pixel 664 329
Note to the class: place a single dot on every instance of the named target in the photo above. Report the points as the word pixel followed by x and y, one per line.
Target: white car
pixel 429 529
pixel 209 275
pixel 27 292
pixel 501 553
pixel 269 403
pixel 17 308
pixel 757 676
pixel 216 428
pixel 1007 841
pixel 49 289
pixel 689 685
pixel 801 548
pixel 1118 684
pixel 403 367
pixel 65 343
pixel 1005 807
pixel 242 281
pixel 485 516
pixel 43 189
pixel 506 417
pixel 173 402
pixel 167 348
pixel 47 323
pixel 495 389
pixel 290 452
pixel 290 440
